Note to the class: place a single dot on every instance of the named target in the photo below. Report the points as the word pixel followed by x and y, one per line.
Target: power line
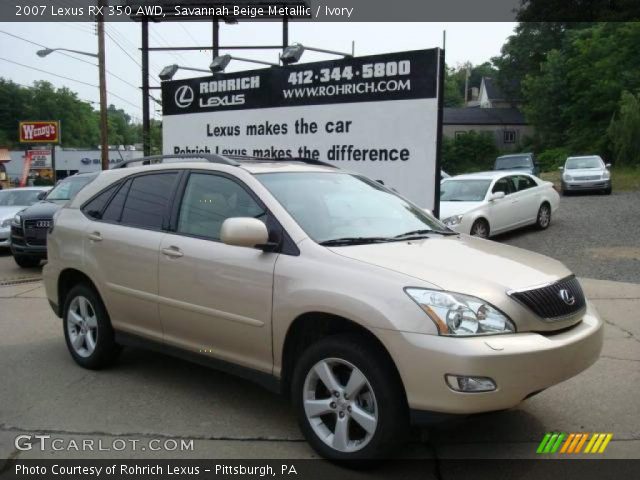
pixel 70 56
pixel 69 79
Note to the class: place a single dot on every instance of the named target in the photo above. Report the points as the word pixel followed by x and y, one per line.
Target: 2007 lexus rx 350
pixel 318 283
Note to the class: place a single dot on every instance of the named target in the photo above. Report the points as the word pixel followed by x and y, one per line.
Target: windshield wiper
pixel 353 241
pixel 422 233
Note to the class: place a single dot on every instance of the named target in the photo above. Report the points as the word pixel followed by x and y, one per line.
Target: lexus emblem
pixel 184 96
pixel 567 297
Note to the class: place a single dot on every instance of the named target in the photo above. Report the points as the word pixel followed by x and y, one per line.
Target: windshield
pixel 586 162
pixel 330 206
pixel 464 190
pixel 516 161
pixel 20 198
pixel 68 188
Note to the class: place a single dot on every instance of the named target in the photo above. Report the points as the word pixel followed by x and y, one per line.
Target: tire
pixel 87 329
pixel 607 191
pixel 26 261
pixel 379 403
pixel 480 228
pixel 543 220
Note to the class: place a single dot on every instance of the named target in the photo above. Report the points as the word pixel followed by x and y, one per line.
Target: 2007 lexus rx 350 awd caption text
pixel 321 284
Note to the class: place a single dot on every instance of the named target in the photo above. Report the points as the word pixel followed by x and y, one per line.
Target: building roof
pixel 483 116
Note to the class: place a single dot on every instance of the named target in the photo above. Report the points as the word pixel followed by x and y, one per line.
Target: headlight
pixel 568 178
pixel 452 221
pixel 460 315
pixel 17 220
pixel 606 175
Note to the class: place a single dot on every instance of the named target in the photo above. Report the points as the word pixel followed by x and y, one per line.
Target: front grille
pixel 591 177
pixel 35 231
pixel 547 302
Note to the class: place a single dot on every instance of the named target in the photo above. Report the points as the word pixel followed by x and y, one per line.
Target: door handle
pixel 173 252
pixel 95 237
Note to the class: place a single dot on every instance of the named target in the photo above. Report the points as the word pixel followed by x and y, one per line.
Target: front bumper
pixel 586 185
pixel 521 364
pixel 19 244
pixel 4 237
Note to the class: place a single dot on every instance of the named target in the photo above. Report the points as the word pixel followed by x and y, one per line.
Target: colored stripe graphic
pixel 572 443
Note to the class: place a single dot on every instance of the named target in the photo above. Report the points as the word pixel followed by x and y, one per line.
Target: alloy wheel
pixel 544 216
pixel 340 405
pixel 480 230
pixel 82 326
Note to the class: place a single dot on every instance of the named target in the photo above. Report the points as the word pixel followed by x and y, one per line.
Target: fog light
pixel 461 383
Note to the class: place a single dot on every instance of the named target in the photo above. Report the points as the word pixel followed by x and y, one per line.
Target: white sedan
pixel 488 203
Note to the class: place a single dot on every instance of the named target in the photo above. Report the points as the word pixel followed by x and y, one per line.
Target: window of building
pixel 509 136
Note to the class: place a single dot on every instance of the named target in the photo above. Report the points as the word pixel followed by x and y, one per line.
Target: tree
pixel 624 130
pixel 472 151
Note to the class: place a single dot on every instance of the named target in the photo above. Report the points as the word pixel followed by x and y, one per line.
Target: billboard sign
pixel 40 132
pixel 40 159
pixel 376 115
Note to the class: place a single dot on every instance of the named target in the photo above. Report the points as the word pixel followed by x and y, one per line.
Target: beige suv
pixel 319 284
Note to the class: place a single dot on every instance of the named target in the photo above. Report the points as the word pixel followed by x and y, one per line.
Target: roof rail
pixel 309 161
pixel 209 157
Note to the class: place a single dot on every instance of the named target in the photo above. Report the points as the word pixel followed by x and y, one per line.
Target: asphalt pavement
pixel 595 235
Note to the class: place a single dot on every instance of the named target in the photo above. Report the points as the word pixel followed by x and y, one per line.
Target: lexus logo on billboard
pixel 184 96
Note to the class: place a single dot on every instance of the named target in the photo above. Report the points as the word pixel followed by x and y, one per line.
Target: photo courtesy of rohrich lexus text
pixel 318 239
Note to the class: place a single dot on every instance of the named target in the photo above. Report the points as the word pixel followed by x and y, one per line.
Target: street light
pixel 293 53
pixel 220 63
pixel 169 71
pixel 104 125
pixel 47 51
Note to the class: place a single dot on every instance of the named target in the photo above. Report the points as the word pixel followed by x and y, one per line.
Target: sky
pixel 474 42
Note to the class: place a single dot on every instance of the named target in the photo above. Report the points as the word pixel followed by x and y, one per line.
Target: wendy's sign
pixel 40 132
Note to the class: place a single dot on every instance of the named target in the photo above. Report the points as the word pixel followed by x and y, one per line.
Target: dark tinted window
pixel 209 200
pixel 523 182
pixel 504 185
pixel 114 210
pixel 147 200
pixel 95 207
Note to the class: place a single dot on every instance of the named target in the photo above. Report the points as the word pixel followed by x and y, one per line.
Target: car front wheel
pixel 348 399
pixel 25 261
pixel 480 228
pixel 87 329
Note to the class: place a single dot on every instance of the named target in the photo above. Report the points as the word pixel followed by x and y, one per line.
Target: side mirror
pixel 42 195
pixel 561 168
pixel 244 232
pixel 608 165
pixel 496 196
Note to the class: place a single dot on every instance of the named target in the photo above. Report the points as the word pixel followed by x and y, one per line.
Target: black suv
pixel 29 228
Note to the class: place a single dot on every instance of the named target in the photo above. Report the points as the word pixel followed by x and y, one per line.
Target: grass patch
pixel 624 179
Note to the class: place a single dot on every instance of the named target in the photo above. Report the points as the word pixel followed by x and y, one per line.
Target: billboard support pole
pixel 285 33
pixel 146 136
pixel 215 39
pixel 53 163
pixel 436 187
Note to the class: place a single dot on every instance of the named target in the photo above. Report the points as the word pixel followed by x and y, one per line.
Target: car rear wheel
pixel 480 228
pixel 544 216
pixel 348 399
pixel 26 261
pixel 87 329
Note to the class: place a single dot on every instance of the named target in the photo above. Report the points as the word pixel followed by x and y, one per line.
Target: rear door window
pixel 148 200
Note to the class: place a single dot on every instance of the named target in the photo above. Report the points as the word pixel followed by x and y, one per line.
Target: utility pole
pixel 104 125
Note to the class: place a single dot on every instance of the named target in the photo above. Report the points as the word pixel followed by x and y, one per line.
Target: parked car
pixel 28 239
pixel 11 202
pixel 588 172
pixel 318 283
pixel 524 162
pixel 485 204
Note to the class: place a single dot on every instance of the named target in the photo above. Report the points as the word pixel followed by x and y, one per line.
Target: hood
pixel 10 211
pixel 448 209
pixel 44 209
pixel 461 264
